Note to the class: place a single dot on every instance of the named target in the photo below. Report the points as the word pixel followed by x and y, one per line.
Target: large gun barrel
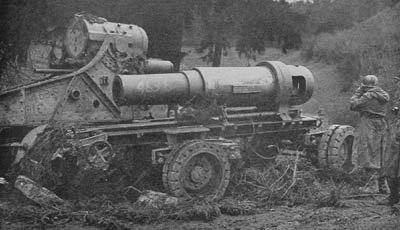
pixel 269 84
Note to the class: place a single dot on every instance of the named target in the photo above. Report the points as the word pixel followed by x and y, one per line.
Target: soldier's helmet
pixel 369 80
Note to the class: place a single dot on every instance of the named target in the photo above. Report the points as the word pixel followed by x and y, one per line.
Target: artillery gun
pixel 209 117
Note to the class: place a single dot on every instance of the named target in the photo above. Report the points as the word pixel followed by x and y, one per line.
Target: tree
pixel 267 21
pixel 218 19
pixel 164 22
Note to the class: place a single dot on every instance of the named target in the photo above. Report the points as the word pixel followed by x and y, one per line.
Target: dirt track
pixel 350 214
pixel 354 214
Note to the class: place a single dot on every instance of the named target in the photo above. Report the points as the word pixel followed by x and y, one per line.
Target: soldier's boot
pixel 393 198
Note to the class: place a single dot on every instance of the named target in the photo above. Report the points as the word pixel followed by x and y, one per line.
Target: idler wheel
pixel 99 155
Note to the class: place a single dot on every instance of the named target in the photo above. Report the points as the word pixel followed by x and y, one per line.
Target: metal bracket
pixel 157 155
pixel 174 133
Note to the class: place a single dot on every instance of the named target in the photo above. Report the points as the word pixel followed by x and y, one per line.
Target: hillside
pixel 369 47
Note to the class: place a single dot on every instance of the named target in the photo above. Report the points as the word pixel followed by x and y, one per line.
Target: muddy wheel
pixel 100 154
pixel 169 161
pixel 197 169
pixel 336 147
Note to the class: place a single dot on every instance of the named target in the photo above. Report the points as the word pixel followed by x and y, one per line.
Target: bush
pixel 349 69
pixel 370 47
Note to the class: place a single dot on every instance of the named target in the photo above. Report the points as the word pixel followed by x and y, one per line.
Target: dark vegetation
pixel 364 41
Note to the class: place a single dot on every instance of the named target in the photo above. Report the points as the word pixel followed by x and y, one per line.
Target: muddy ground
pixel 353 214
pixel 258 198
pixel 356 213
pixel 285 192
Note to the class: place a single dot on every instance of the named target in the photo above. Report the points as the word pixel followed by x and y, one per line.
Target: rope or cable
pixel 261 156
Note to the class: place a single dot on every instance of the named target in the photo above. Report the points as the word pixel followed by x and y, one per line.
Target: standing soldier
pixel 370 100
pixel 392 157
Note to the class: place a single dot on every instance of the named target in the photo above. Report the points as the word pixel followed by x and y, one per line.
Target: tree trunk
pixel 216 62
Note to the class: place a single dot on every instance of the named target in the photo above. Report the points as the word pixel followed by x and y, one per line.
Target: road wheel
pixel 336 147
pixel 197 169
pixel 99 155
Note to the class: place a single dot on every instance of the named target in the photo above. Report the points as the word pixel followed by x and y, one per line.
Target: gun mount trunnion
pixel 210 114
